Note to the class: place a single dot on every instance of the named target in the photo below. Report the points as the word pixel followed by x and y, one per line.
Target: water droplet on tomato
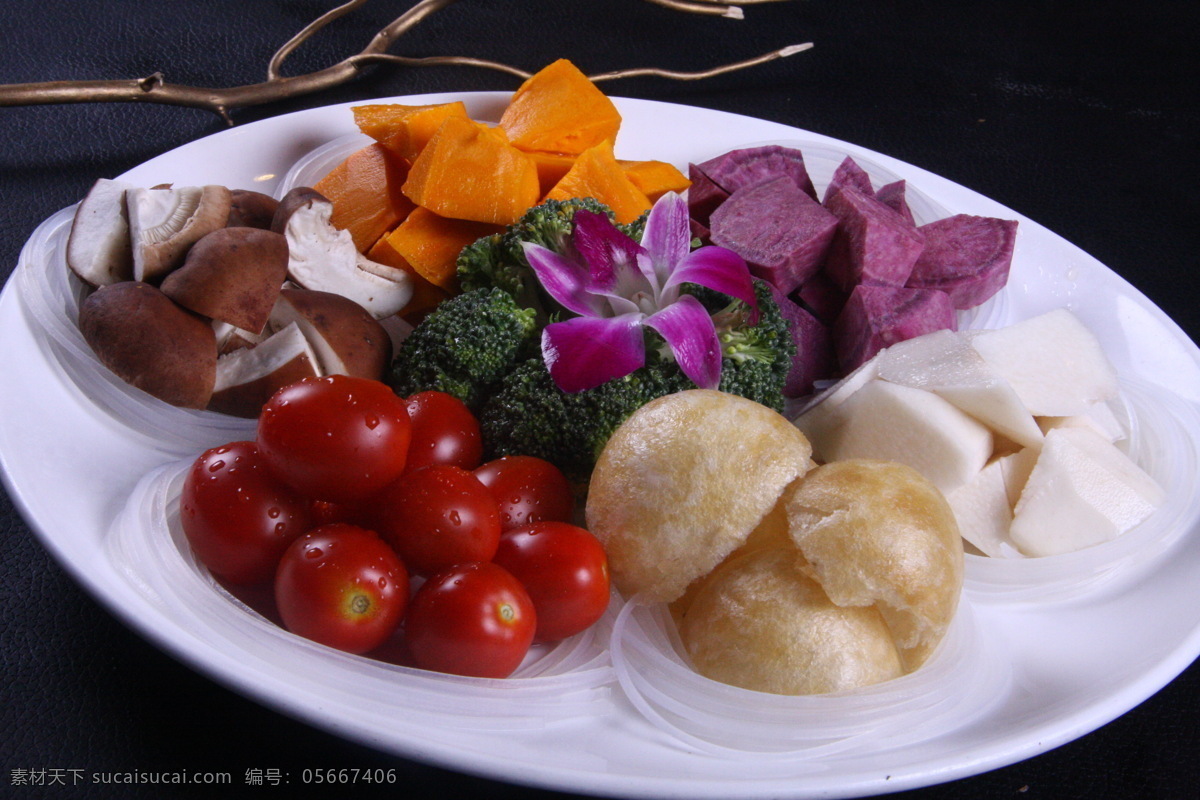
pixel 313 552
pixel 455 517
pixel 216 466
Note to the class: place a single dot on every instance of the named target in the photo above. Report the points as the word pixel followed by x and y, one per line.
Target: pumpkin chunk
pixel 431 244
pixel 468 171
pixel 365 190
pixel 597 174
pixel 655 178
pixel 559 110
pixel 405 130
pixel 425 296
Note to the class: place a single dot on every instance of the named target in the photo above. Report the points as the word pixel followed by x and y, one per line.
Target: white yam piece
pixel 1054 363
pixel 1083 491
pixel 945 363
pixel 891 422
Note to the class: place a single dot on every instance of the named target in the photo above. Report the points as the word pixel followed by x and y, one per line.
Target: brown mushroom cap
pixel 232 275
pixel 165 223
pixel 346 338
pixel 250 209
pixel 150 342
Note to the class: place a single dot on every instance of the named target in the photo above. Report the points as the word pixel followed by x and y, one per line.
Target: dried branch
pixel 156 89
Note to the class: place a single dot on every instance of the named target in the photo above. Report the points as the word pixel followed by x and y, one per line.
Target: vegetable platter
pixel 1036 657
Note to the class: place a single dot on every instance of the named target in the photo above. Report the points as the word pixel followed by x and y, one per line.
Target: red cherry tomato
pixel 474 619
pixel 237 516
pixel 342 586
pixel 437 517
pixel 336 438
pixel 444 431
pixel 564 569
pixel 528 489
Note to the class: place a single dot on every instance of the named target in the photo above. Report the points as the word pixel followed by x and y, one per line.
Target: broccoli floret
pixel 530 415
pixel 499 261
pixel 464 346
pixel 758 357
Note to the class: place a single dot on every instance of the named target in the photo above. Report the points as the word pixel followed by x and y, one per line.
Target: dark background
pixel 1080 115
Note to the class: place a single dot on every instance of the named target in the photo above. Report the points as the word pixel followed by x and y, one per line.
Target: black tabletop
pixel 1079 115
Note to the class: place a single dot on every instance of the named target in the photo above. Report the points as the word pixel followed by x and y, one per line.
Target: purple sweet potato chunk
pixel 876 317
pixel 821 297
pixel 739 169
pixel 781 232
pixel 873 243
pixel 703 195
pixel 814 358
pixel 849 173
pixel 965 256
pixel 893 195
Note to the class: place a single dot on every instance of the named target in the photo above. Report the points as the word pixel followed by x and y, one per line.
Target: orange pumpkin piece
pixel 431 244
pixel 551 167
pixel 425 296
pixel 559 110
pixel 597 174
pixel 655 178
pixel 405 130
pixel 365 190
pixel 468 171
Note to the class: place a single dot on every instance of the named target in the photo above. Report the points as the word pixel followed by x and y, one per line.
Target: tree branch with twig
pixel 276 87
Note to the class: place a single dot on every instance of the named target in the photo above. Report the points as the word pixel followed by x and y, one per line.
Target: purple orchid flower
pixel 617 286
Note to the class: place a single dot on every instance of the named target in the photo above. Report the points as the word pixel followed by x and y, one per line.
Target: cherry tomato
pixel 564 569
pixel 342 586
pixel 437 517
pixel 335 438
pixel 444 431
pixel 237 516
pixel 528 489
pixel 474 619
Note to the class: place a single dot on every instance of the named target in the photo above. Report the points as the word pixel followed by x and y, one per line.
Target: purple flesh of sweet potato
pixel 781 232
pixel 849 173
pixel 965 256
pixel 703 195
pixel 876 317
pixel 814 358
pixel 873 243
pixel 821 297
pixel 893 196
pixel 739 169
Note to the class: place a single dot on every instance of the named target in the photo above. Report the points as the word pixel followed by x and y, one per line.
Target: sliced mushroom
pixel 231 337
pixel 164 223
pixel 346 339
pixel 247 378
pixel 98 247
pixel 150 342
pixel 251 209
pixel 325 259
pixel 232 275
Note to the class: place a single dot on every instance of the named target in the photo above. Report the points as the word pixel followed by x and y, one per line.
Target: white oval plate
pixel 1071 665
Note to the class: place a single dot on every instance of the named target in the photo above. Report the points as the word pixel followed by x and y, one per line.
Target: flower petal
pixel 668 235
pixel 717 268
pixel 689 331
pixel 566 281
pixel 611 256
pixel 584 352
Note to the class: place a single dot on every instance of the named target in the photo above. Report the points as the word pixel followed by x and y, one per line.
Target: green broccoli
pixel 499 261
pixel 530 415
pixel 757 357
pixel 464 346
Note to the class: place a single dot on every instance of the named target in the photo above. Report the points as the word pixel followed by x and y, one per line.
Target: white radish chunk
pixel 912 426
pixel 1098 417
pixel 820 418
pixel 1054 363
pixel 1083 491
